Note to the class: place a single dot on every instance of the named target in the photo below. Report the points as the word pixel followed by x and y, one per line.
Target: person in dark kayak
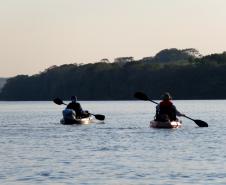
pixel 74 105
pixel 165 110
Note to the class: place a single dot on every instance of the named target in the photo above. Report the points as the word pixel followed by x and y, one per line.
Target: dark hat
pixel 166 96
pixel 73 98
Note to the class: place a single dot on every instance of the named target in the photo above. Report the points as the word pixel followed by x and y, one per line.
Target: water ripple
pixel 36 149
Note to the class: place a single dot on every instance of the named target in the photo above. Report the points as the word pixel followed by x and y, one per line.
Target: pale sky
pixel 36 34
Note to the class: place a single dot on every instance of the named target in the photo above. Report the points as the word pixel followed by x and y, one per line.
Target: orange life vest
pixel 166 108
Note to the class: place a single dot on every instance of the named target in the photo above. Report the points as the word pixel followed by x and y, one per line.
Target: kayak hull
pixel 167 124
pixel 84 121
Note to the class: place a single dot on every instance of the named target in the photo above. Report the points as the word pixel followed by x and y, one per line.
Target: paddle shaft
pixel 58 101
pixel 177 111
pixel 188 118
pixel 152 101
pixel 182 115
pixel 142 96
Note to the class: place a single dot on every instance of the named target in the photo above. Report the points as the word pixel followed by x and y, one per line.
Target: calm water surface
pixel 36 149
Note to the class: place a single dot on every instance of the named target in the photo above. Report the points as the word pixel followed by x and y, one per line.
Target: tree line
pixel 184 73
pixel 2 82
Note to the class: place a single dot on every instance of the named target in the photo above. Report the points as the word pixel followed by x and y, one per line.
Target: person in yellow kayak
pixel 165 110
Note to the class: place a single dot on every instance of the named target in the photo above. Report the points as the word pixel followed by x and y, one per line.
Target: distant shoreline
pixel 183 73
pixel 111 100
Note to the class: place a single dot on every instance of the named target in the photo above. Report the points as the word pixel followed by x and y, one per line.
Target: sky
pixel 37 34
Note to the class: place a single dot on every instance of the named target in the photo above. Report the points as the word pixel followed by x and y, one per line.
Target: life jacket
pixel 166 111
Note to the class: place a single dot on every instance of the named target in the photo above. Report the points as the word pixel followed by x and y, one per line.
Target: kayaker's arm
pixel 179 113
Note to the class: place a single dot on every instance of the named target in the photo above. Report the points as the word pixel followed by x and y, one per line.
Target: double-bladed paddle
pixel 58 101
pixel 142 96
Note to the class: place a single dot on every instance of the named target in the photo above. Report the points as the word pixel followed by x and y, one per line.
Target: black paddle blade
pixel 58 101
pixel 141 96
pixel 201 123
pixel 99 117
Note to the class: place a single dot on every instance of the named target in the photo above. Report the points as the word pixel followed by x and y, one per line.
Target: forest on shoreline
pixel 2 83
pixel 184 73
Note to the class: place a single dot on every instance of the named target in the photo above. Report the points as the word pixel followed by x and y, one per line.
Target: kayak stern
pixel 84 121
pixel 167 124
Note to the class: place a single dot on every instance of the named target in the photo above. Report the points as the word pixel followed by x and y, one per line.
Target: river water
pixel 36 149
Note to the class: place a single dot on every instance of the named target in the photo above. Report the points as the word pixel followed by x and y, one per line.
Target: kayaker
pixel 165 110
pixel 74 105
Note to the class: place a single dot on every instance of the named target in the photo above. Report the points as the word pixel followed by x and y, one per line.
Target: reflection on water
pixel 36 149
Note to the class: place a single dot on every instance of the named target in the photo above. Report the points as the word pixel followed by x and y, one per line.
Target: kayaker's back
pixel 165 111
pixel 76 107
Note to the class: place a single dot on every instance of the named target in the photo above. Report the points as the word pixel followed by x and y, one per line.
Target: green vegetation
pixel 2 83
pixel 184 73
